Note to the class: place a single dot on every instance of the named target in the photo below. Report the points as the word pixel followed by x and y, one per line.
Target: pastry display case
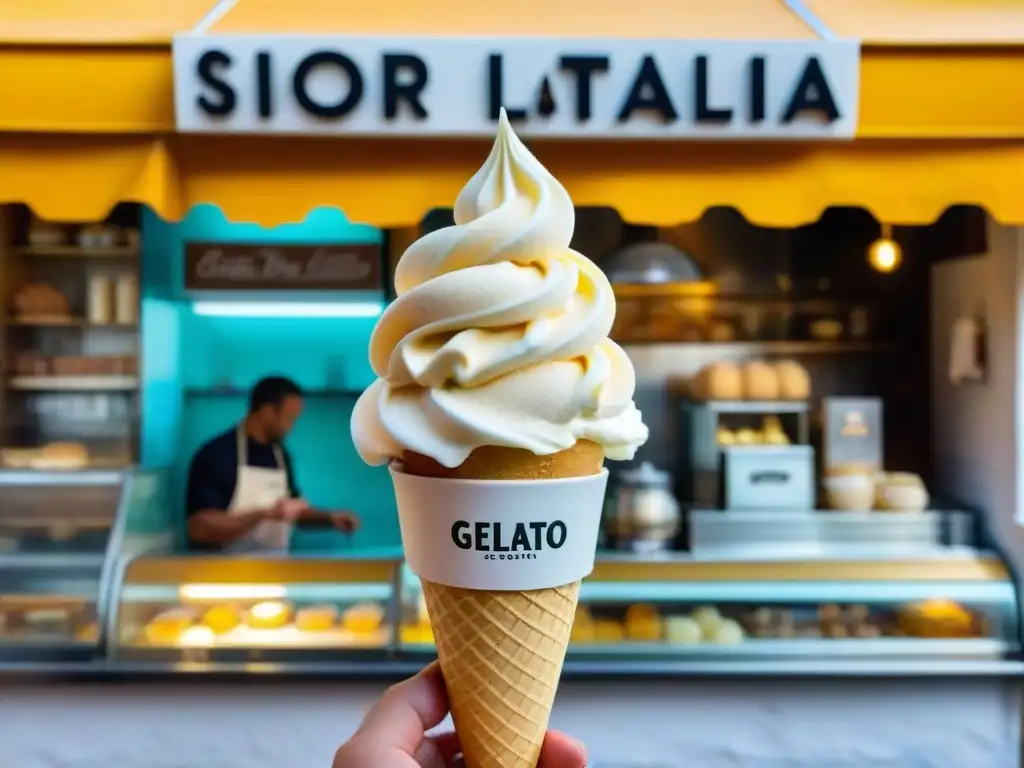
pixel 57 533
pixel 260 608
pixel 962 606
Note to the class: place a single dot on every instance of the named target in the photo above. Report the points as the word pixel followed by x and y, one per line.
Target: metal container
pixel 769 477
pixel 643 514
pixel 776 534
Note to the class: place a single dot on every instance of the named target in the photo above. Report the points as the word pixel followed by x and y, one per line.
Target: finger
pixel 447 746
pixel 438 751
pixel 561 751
pixel 407 711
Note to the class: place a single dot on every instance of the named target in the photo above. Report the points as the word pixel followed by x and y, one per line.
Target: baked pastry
pixel 58 456
pixel 794 380
pixel 221 619
pixel 167 627
pixel 937 618
pixel 708 618
pixel 316 618
pixel 718 381
pixel 40 300
pixel 643 624
pixel 198 636
pixel 608 631
pixel 682 630
pixel 760 381
pixel 901 492
pixel 362 618
pixel 772 432
pixel 272 614
pixel 727 632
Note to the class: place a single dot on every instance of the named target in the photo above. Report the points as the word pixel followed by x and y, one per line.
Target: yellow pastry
pixel 426 634
pixel 640 612
pixel 645 631
pixel 583 632
pixel 166 628
pixel 272 614
pixel 89 633
pixel 316 618
pixel 199 636
pixel 608 631
pixel 363 618
pixel 222 618
pixel 417 634
pixel 937 618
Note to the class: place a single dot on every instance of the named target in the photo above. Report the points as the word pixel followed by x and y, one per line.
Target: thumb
pixel 407 711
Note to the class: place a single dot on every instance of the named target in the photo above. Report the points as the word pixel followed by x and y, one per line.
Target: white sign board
pixel 571 88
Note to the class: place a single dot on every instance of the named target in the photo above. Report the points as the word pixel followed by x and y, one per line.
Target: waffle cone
pixel 501 652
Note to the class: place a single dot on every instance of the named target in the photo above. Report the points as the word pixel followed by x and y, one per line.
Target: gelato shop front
pixel 793 433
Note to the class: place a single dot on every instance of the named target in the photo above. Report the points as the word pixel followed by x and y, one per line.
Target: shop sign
pixel 364 86
pixel 255 267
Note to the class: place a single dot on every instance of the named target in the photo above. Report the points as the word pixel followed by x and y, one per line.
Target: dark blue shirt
pixel 214 470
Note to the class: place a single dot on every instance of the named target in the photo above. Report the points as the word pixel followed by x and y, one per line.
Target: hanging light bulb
pixel 885 254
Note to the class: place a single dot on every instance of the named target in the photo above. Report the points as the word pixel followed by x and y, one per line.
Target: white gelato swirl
pixel 499 334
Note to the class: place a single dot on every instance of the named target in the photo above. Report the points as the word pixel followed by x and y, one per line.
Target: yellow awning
pixel 653 19
pixel 924 22
pixel 393 183
pixel 87 118
pixel 102 66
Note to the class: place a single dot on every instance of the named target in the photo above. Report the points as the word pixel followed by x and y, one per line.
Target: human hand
pixel 288 510
pixel 346 522
pixel 394 733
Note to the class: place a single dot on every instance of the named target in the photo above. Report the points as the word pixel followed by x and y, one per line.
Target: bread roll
pixel 794 380
pixel 718 381
pixel 40 299
pixel 760 382
pixel 61 456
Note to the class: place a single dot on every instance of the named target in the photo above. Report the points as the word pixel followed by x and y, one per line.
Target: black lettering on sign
pixel 703 112
pixel 412 70
pixel 648 93
pixel 264 105
pixel 345 65
pixel 546 106
pixel 756 110
pixel 495 91
pixel 812 94
pixel 210 69
pixel 584 68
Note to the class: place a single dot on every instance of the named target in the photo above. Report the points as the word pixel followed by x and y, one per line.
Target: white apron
pixel 259 488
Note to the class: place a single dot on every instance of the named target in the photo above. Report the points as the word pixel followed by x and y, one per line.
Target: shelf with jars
pixel 70 342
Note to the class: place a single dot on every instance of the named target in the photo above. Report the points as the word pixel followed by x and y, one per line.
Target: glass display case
pixel 57 533
pixel 961 606
pixel 260 608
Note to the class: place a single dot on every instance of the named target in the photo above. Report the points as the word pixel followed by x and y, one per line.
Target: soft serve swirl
pixel 499 334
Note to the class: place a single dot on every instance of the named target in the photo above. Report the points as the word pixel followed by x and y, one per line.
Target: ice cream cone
pixel 501 652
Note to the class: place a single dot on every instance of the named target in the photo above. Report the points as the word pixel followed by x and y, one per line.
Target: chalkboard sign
pixel 255 267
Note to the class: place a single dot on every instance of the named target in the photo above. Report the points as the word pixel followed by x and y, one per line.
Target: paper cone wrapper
pixel 501 648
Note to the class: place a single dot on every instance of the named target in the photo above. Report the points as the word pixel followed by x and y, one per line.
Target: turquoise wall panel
pixel 322 354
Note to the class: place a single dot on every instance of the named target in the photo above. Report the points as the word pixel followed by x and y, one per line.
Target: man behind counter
pixel 242 494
